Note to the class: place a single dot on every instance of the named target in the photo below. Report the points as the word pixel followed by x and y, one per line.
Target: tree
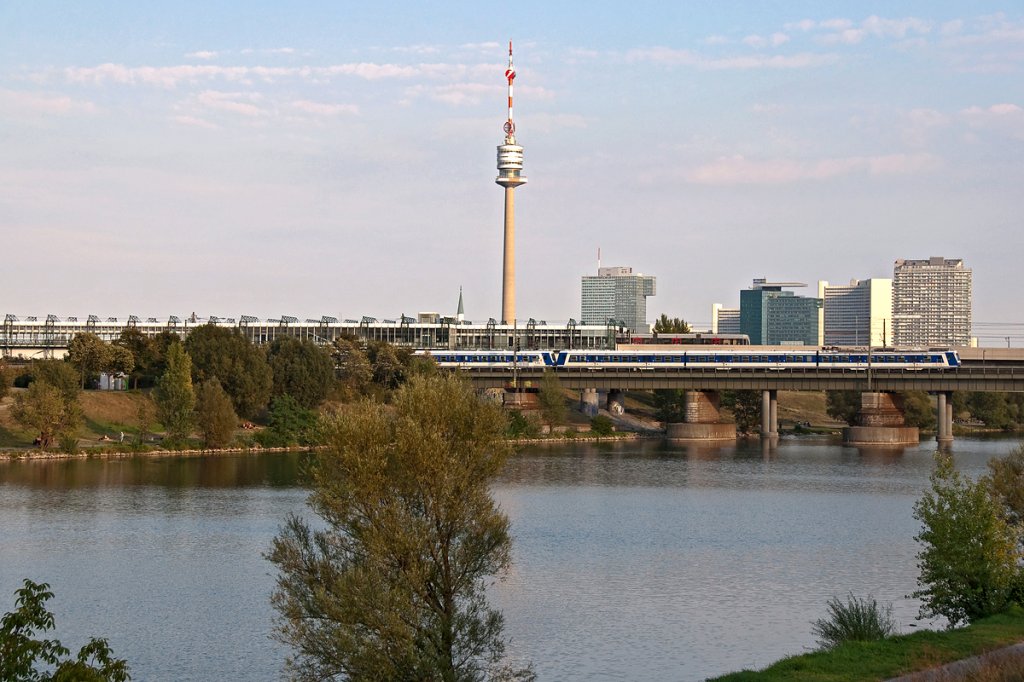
pixel 969 554
pixel 843 406
pixel 917 409
pixel 58 374
pixel 354 369
pixel 119 360
pixel 240 366
pixel 388 370
pixel 673 325
pixel 47 411
pixel 746 408
pixel 23 658
pixel 991 408
pixel 301 369
pixel 215 416
pixel 144 355
pixel 289 424
pixel 393 586
pixel 1005 483
pixel 670 404
pixel 551 398
pixel 5 379
pixel 88 354
pixel 145 414
pixel 175 398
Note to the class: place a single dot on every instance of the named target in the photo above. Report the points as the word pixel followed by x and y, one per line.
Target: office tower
pixel 773 317
pixel 857 314
pixel 617 294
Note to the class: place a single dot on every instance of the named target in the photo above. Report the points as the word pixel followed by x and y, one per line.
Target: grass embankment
pixel 895 656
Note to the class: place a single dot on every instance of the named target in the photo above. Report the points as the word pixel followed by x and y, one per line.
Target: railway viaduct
pixel 881 419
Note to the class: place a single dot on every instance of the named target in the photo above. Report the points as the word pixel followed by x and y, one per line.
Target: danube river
pixel 632 561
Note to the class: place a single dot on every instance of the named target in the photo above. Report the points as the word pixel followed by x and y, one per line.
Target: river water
pixel 632 561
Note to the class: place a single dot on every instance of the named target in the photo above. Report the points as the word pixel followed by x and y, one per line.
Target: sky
pixel 338 158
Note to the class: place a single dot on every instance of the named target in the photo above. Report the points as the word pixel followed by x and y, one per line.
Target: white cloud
pixel 42 103
pixel 673 57
pixel 172 76
pixel 836 24
pixel 201 54
pixel 324 109
pixel 716 40
pixel 896 28
pixel 195 121
pixel 951 28
pixel 774 40
pixel 1004 118
pixel 850 36
pixel 281 50
pixel 921 124
pixel 242 103
pixel 738 170
pixel 802 25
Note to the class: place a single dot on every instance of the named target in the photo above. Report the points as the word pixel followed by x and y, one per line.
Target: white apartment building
pixel 931 302
pixel 724 320
pixel 856 314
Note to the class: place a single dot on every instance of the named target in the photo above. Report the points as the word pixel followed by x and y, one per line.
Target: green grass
pixel 898 655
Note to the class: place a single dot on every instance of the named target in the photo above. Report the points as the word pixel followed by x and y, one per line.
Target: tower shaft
pixel 508 269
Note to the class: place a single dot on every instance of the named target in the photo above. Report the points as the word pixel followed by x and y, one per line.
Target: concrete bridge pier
pixel 769 414
pixel 590 401
pixel 701 411
pixel 944 417
pixel 880 422
pixel 616 402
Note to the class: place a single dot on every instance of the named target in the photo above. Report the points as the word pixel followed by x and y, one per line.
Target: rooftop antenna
pixel 599 259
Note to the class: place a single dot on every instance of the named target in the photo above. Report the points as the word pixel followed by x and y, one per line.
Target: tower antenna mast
pixel 510 166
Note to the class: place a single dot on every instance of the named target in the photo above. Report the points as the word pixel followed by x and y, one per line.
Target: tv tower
pixel 510 164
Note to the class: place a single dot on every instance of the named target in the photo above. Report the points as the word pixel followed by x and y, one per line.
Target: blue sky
pixel 339 158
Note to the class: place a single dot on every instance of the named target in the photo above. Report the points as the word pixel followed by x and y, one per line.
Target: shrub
pixel 857 620
pixel 68 444
pixel 969 552
pixel 602 425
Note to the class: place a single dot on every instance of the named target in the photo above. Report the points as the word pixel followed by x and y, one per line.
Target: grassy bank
pixel 894 656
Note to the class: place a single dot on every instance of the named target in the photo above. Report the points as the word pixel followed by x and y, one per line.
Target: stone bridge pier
pixel 880 422
pixel 769 414
pixel 703 419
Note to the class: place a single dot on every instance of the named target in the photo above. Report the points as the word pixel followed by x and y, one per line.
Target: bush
pixel 68 444
pixel 856 620
pixel 602 425
pixel 969 552
pixel 289 424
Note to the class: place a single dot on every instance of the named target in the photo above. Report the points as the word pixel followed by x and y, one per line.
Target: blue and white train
pixel 720 359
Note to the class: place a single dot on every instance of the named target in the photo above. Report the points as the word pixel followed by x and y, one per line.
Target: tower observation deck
pixel 510 166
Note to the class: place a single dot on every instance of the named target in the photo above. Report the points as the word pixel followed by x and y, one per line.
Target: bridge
pixel 881 417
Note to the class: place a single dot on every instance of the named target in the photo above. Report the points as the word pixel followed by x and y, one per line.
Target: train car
pixel 488 359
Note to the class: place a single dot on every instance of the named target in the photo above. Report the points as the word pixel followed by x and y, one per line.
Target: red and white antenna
pixel 510 74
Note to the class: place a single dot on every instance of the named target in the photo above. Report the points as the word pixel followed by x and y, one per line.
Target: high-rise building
pixel 510 167
pixel 616 294
pixel 724 320
pixel 931 302
pixel 857 314
pixel 773 317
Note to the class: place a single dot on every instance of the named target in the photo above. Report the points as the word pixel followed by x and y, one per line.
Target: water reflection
pixel 632 560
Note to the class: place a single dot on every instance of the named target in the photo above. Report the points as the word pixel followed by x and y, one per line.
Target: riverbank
pixel 895 656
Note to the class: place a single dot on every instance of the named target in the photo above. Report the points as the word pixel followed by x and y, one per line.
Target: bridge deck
pixel 972 378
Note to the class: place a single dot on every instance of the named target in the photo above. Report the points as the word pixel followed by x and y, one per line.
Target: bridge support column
pixel 944 418
pixel 589 401
pixel 616 402
pixel 880 422
pixel 701 411
pixel 769 414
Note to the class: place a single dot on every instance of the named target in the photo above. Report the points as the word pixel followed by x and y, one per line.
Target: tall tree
pixel 302 370
pixel 843 406
pixel 47 411
pixel 215 415
pixel 969 553
pixel 746 408
pixel 671 325
pixel 143 352
pixel 1005 482
pixel 354 369
pixel 670 405
pixel 175 397
pixel 240 366
pixel 88 354
pixel 552 399
pixel 388 370
pixel 393 584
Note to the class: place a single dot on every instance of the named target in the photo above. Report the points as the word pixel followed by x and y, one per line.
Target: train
pixel 704 358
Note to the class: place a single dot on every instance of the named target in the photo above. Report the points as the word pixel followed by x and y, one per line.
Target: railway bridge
pixel 881 419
